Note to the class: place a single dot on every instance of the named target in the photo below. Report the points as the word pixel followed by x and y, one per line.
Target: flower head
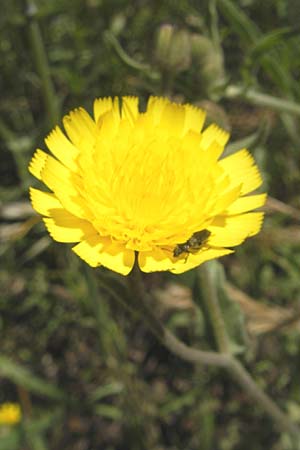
pixel 127 183
pixel 10 413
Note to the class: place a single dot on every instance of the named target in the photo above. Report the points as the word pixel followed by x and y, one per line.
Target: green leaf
pixel 177 402
pixel 106 391
pixel 268 41
pixel 109 412
pixel 238 20
pixel 251 34
pixel 23 377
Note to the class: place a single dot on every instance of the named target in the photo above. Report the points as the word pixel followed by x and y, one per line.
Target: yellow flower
pixel 10 413
pixel 127 183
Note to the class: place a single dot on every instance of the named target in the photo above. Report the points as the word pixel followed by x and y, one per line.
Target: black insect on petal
pixel 193 244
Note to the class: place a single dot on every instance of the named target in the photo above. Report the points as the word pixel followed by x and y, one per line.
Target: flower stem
pixel 141 302
pixel 131 62
pixel 245 380
pixel 257 98
pixel 41 62
pixel 210 299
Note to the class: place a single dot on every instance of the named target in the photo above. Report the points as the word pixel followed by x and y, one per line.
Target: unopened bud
pixel 163 42
pixel 209 60
pixel 180 51
pixel 173 49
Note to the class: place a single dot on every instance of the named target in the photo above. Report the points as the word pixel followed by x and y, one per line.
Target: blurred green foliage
pixel 88 375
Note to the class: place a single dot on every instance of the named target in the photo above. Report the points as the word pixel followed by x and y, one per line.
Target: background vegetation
pixel 87 374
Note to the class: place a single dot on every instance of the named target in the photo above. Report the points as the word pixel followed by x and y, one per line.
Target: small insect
pixel 193 244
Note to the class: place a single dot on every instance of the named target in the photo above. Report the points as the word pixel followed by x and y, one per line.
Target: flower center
pixel 147 188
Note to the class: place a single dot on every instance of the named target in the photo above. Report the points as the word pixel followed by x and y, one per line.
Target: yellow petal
pixel 101 106
pixel 37 163
pixel 105 105
pixel 80 128
pixel 116 257
pixel 155 260
pixel 244 204
pixel 62 148
pixel 194 260
pixel 10 413
pixel 233 230
pixel 64 227
pixel 161 260
pixel 172 119
pixel 225 199
pixel 102 251
pixel 63 183
pixel 242 170
pixel 89 250
pixel 108 125
pixel 130 108
pixel 212 153
pixel 194 119
pixel 43 202
pixel 214 134
pixel 155 108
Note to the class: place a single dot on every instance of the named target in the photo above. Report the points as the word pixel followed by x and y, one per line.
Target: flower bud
pixel 209 60
pixel 173 49
pixel 163 42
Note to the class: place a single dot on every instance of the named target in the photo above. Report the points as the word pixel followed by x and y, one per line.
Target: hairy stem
pixel 257 98
pixel 210 299
pixel 141 302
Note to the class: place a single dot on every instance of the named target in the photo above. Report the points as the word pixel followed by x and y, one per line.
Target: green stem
pixel 167 82
pixel 41 62
pixel 128 60
pixel 210 299
pixel 215 34
pixel 138 293
pixel 245 380
pixel 257 98
pixel 141 302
